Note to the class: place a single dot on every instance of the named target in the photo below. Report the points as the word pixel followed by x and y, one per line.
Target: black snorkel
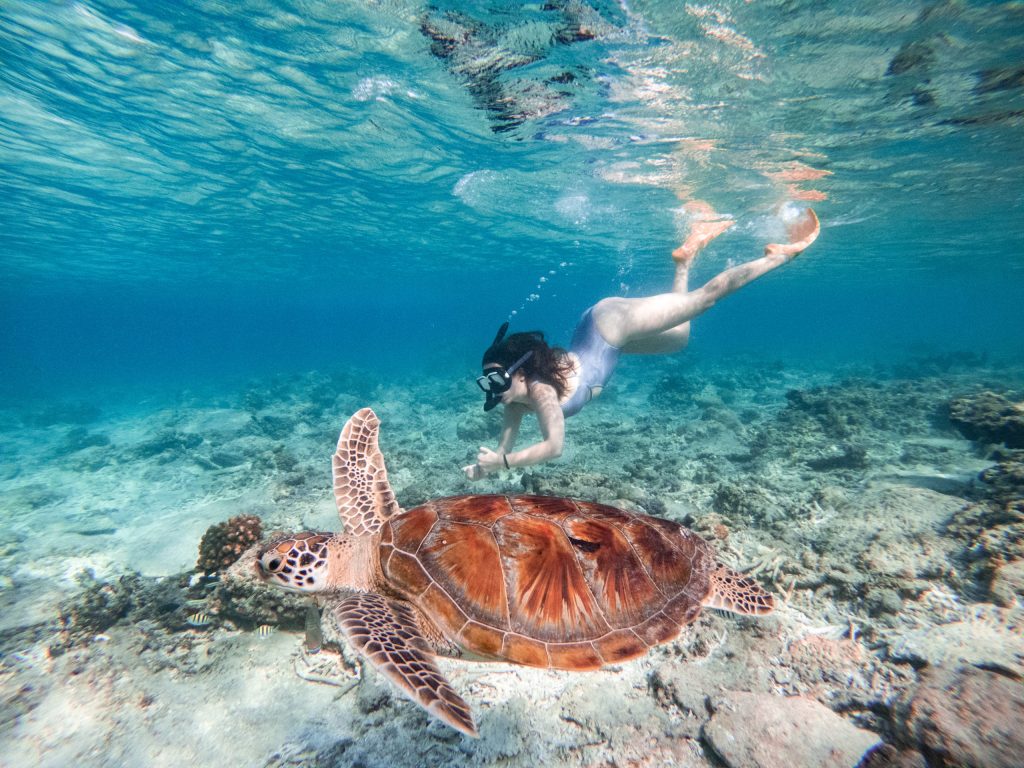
pixel 494 398
pixel 500 334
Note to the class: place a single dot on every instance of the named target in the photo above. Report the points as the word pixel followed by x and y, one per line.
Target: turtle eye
pixel 274 564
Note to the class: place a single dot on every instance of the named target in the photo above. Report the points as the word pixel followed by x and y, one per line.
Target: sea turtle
pixel 534 580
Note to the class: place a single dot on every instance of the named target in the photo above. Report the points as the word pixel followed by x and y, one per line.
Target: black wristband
pixel 504 457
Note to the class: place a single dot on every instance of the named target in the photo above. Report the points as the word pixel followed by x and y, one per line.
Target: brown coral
pixel 224 543
pixel 989 417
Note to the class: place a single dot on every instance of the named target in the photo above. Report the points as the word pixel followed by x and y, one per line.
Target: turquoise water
pixel 204 191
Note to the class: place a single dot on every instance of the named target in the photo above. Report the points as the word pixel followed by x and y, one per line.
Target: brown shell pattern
pixel 547 582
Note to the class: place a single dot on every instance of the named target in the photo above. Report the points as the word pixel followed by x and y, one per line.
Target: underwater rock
pixel 224 543
pixel 1007 585
pixel 883 601
pixel 888 756
pixel 80 438
pixel 757 730
pixel 823 664
pixel 574 484
pixel 989 417
pixel 967 717
pixel 844 410
pixel 274 427
pixel 239 594
pixel 1005 481
pixel 987 636
pixel 279 458
pixel 749 503
pixel 993 529
pixel 100 604
pixel 131 597
pixel 849 427
pixel 845 457
pixel 168 446
pixel 475 429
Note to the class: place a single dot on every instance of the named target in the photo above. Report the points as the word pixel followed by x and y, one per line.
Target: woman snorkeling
pixel 526 375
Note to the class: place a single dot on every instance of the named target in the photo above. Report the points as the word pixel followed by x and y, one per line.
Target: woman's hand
pixel 487 463
pixel 490 461
pixel 473 472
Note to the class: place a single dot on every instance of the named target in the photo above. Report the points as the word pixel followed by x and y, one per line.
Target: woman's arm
pixel 552 429
pixel 511 420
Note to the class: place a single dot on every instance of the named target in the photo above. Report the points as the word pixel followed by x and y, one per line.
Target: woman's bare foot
pixel 802 231
pixel 707 225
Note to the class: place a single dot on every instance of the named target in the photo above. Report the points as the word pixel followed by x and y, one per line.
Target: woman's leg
pixel 678 336
pixel 661 323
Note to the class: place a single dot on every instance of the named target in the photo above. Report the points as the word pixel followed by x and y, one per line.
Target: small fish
pixel 198 602
pixel 199 619
pixel 264 630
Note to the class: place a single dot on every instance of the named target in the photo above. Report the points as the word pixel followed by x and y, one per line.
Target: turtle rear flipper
pixel 386 632
pixel 732 591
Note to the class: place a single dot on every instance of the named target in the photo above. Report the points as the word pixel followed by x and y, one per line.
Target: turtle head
pixel 297 562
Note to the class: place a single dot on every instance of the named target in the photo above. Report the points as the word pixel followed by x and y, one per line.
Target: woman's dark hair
pixel 551 365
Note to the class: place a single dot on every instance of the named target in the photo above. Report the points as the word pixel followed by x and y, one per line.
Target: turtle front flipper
pixel 361 489
pixel 732 591
pixel 385 632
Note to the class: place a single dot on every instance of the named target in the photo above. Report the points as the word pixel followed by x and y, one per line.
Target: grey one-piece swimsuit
pixel 597 358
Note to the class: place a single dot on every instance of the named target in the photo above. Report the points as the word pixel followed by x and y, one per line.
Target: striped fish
pixel 265 630
pixel 199 620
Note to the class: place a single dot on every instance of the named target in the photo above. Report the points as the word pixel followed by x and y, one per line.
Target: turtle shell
pixel 547 582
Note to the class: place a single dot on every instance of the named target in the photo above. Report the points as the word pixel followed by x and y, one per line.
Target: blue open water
pixel 197 192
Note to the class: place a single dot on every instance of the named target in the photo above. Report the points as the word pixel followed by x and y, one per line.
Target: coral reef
pixel 990 418
pixel 240 595
pixel 166 605
pixel 993 529
pixel 224 543
pixel 131 598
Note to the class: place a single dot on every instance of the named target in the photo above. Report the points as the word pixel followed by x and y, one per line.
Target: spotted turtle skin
pixel 546 582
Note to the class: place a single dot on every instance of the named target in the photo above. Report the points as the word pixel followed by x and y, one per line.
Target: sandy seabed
pixel 893 542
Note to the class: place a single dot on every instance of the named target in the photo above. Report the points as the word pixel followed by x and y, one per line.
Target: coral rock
pixel 756 730
pixel 224 543
pixel 989 417
pixel 966 717
pixel 1008 583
